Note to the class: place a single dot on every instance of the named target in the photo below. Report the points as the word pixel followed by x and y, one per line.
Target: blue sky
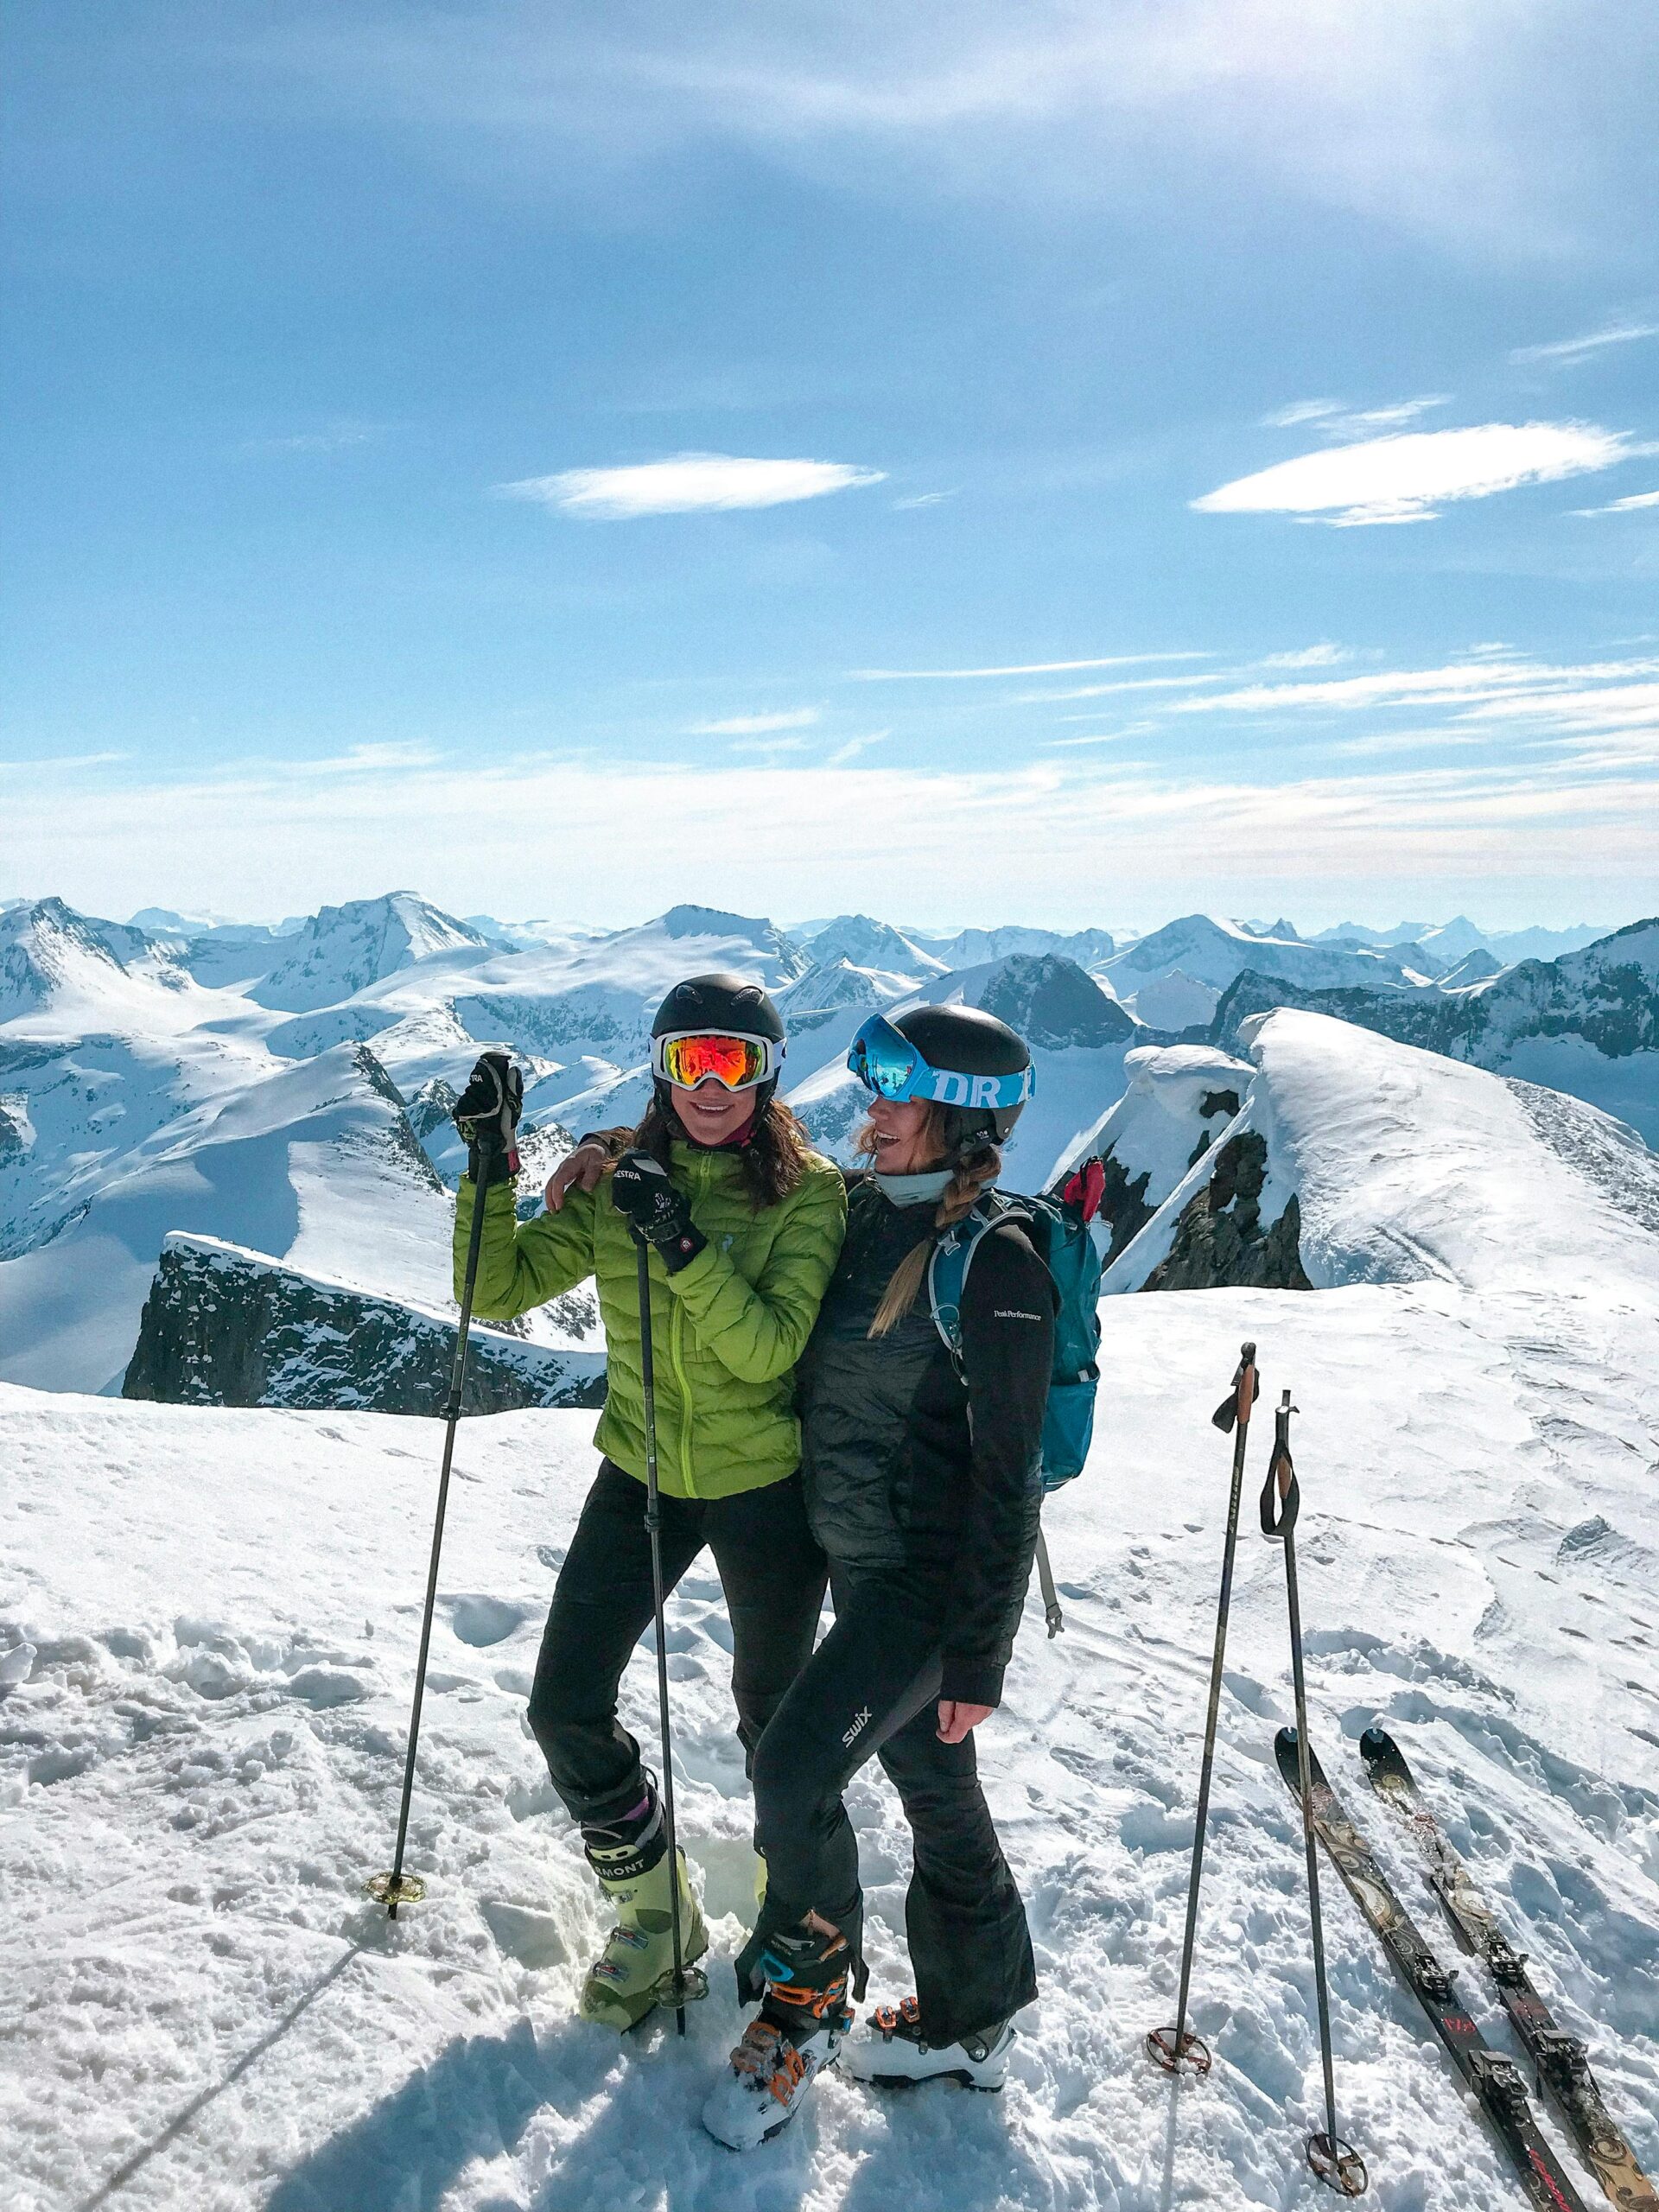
pixel 1262 391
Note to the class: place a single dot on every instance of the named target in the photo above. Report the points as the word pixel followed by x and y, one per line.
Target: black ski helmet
pixel 719 1002
pixel 965 1040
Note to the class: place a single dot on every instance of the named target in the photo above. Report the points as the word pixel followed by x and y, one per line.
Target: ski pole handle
pixel 1281 1494
pixel 1234 1411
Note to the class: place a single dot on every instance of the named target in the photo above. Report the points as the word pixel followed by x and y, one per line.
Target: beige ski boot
pixel 635 1972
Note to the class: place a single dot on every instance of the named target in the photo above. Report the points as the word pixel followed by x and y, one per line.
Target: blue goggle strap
pixel 886 1061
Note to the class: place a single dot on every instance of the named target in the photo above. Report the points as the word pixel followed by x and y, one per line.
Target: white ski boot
pixel 889 2050
pixel 795 2035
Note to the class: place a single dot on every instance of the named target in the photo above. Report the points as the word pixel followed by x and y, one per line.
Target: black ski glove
pixel 486 1114
pixel 659 1214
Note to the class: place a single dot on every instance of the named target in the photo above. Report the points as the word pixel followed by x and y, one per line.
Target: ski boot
pixel 889 2050
pixel 796 2034
pixel 635 1972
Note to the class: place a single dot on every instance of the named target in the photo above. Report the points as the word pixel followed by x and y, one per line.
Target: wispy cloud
pixel 1569 350
pixel 1403 479
pixel 1335 419
pixel 923 499
pixel 62 764
pixel 1630 506
pixel 1308 656
pixel 756 725
pixel 1024 668
pixel 379 759
pixel 690 483
pixel 336 438
pixel 1107 690
pixel 1420 115
pixel 1096 737
pixel 853 745
pixel 1458 682
pixel 626 834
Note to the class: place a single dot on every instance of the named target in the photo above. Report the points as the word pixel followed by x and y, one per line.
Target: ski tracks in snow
pixel 201 1757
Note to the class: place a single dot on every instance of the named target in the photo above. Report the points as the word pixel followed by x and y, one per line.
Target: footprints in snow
pixel 483 1621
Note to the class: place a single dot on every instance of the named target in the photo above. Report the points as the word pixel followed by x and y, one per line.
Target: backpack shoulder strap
pixel 953 1255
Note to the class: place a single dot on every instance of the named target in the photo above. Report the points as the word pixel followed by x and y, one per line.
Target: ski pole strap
pixel 1245 1391
pixel 1052 1613
pixel 1281 1495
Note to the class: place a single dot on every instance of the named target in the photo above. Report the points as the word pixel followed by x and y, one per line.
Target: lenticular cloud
pixel 1407 478
pixel 690 483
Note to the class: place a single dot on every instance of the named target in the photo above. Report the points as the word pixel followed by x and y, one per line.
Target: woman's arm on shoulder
pixel 757 1330
pixel 1008 1344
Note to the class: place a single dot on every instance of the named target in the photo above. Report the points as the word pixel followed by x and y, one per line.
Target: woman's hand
pixel 956 1717
pixel 580 1170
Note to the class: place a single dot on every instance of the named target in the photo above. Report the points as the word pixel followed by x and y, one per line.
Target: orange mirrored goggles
pixel 699 1055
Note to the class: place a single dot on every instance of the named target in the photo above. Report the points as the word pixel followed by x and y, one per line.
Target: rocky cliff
pixel 223 1326
pixel 1221 1240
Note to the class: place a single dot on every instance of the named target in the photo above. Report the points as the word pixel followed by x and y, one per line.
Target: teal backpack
pixel 1059 1228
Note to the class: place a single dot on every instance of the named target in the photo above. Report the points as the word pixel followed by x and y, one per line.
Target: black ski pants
pixel 872 1687
pixel 772 1574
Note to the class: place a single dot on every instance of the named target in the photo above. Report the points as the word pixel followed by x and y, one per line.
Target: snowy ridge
pixel 1211 953
pixel 1405 1166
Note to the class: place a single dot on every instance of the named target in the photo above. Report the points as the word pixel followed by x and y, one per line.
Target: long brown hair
pixel 974 1172
pixel 774 1153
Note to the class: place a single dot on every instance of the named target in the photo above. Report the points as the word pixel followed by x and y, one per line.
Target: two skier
pixel 915 1467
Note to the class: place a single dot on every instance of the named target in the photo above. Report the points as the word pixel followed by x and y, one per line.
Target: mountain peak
pixel 1052 1002
pixel 342 950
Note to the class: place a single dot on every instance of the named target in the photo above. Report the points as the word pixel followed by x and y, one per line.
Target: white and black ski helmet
pixel 720 1003
pixel 964 1040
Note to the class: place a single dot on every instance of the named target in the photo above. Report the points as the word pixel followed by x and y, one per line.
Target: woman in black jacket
pixel 923 1476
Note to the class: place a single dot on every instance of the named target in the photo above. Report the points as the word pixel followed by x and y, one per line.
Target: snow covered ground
pixel 209 1619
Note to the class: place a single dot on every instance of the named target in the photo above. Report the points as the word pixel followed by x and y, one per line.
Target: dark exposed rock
pixel 1053 1003
pixel 227 1327
pixel 431 1107
pixel 1124 1204
pixel 1221 1242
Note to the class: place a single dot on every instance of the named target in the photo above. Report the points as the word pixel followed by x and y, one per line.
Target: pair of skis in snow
pixel 1560 2060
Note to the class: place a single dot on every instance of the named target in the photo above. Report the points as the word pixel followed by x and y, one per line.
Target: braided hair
pixel 972 1172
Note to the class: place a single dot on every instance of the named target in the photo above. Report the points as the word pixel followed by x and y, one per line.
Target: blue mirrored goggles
pixel 885 1062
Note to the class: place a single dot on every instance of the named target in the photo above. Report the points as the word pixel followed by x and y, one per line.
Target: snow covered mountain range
pixel 286 1089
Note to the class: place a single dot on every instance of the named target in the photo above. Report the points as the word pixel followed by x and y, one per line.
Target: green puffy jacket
pixel 726 1330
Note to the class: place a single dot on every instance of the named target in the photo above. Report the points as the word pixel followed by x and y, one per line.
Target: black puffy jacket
pixel 911 1468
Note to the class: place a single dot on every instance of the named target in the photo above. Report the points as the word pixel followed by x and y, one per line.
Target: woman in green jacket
pixel 743 1222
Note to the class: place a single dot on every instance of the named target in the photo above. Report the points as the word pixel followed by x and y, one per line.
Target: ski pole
pixel 397 1888
pixel 1335 2162
pixel 1172 2047
pixel 693 1983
